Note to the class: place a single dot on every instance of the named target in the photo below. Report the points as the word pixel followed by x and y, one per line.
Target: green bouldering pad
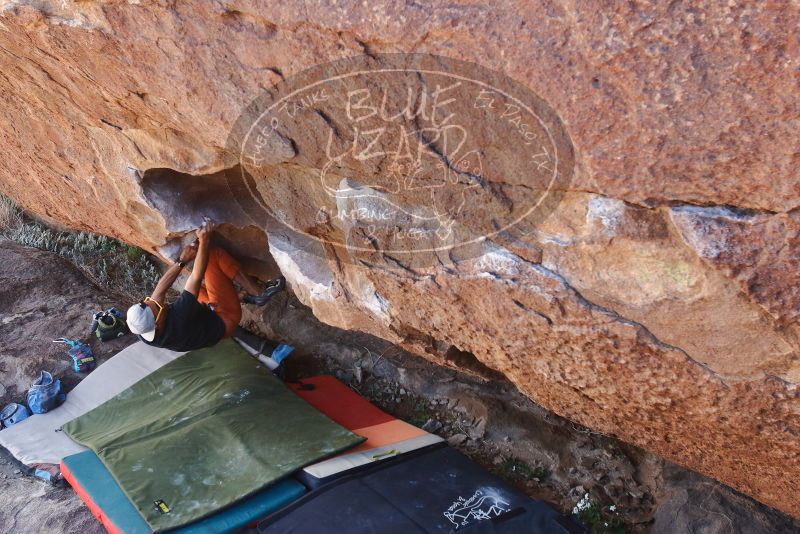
pixel 203 432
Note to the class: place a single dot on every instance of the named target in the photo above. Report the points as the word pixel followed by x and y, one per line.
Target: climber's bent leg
pixel 220 292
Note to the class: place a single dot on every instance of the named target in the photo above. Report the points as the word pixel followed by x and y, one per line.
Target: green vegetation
pixel 514 467
pixel 599 521
pixel 108 262
pixel 418 412
pixel 10 214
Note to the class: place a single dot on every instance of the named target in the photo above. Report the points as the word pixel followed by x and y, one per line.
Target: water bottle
pixel 95 322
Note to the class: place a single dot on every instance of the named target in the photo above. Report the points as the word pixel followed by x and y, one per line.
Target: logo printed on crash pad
pixel 162 507
pixel 485 503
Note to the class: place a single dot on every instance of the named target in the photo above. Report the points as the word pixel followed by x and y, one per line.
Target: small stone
pixel 456 439
pixel 479 430
pixel 577 491
pixel 636 493
pixel 17 472
pixel 432 426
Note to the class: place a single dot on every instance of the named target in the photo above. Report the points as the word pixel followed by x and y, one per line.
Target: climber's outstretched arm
pixel 201 262
pixel 160 292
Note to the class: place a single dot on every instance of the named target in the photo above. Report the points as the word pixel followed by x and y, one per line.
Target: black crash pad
pixel 434 492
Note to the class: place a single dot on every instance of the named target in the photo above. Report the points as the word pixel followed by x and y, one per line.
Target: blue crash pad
pixel 100 492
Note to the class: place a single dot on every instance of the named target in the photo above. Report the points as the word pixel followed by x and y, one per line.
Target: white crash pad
pixel 38 439
pixel 346 462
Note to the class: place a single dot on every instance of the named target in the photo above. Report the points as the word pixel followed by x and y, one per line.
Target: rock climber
pixel 208 310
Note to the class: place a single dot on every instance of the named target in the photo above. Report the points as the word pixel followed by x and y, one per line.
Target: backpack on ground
pixel 83 360
pixel 45 394
pixel 109 325
pixel 12 414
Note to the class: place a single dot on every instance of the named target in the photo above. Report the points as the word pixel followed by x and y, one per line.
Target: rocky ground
pixel 43 296
pixel 30 506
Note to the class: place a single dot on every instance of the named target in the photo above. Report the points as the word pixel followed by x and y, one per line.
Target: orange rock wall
pixel 658 303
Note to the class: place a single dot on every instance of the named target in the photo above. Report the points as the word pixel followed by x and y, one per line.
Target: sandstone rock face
pixel 656 301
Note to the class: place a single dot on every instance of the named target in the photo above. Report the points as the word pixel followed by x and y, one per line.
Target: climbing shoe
pixel 273 286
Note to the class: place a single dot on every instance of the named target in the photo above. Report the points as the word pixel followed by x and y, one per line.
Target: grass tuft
pixel 10 214
pixel 599 521
pixel 514 467
pixel 108 262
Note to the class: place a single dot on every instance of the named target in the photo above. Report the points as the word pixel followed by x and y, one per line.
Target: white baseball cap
pixel 142 321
